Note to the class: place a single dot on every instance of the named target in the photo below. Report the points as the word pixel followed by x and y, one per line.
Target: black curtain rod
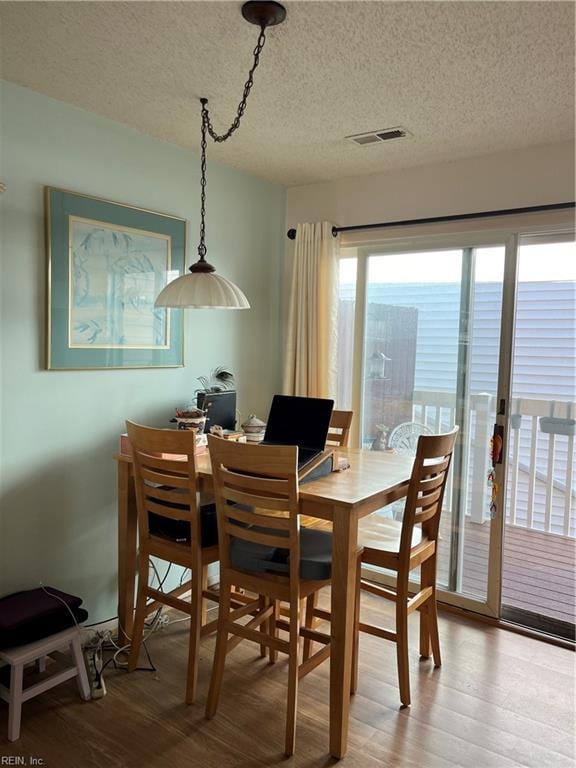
pixel 437 219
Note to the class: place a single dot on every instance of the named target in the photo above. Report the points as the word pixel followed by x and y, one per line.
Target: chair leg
pixel 219 652
pixel 196 611
pixel 434 636
pixel 427 578
pixel 424 630
pixel 311 601
pixel 82 677
pixel 204 600
pixel 140 616
pixel 262 603
pixel 356 646
pixel 293 664
pixel 272 629
pixel 402 643
pixel 302 612
pixel 15 703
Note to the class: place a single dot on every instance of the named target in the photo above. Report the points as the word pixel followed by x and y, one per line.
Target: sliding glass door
pixel 477 331
pixel 430 330
pixel 539 553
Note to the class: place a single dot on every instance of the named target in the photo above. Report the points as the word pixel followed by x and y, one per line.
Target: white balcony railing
pixel 540 489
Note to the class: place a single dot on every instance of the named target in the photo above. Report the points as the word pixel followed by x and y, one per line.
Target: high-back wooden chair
pixel 264 550
pixel 173 527
pixel 403 546
pixel 339 430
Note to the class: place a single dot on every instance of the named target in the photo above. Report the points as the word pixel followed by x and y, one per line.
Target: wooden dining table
pixel 372 480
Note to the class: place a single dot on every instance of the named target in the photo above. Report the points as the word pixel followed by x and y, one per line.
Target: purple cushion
pixel 36 613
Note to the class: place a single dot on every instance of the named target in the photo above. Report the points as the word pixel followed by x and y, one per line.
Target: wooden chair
pixel 173 527
pixel 339 430
pixel 263 550
pixel 403 546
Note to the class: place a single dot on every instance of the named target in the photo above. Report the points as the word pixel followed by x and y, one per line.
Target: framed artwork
pixel 107 263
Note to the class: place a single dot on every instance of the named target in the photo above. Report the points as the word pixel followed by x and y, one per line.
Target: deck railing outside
pixel 540 488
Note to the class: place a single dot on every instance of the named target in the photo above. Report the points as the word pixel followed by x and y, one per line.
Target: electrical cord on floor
pixel 97 666
pixel 152 625
pixel 117 665
pixel 103 640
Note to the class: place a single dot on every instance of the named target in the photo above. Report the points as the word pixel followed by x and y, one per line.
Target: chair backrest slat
pixel 264 479
pixel 427 486
pixel 431 468
pixel 262 502
pixel 428 497
pixel 158 477
pixel 264 486
pixel 164 464
pixel 165 485
pixel 339 430
pixel 173 513
pixel 162 493
pixel 427 507
pixel 258 537
pixel 243 516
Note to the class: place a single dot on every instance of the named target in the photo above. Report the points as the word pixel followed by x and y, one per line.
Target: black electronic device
pixel 220 408
pixel 301 421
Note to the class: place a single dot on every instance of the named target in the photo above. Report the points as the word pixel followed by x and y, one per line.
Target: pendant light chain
pixel 207 127
pixel 202 245
pixel 247 88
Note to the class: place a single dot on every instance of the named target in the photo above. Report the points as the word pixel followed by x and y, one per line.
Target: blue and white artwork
pixel 116 273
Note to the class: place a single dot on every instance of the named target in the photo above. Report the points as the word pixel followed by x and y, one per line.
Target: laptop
pixel 220 408
pixel 301 421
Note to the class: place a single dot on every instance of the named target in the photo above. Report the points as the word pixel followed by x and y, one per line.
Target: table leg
pixel 127 549
pixel 344 557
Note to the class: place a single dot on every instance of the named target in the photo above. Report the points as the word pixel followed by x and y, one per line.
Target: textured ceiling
pixel 466 78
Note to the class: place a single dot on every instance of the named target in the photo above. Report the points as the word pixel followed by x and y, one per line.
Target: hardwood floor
pixel 499 700
pixel 538 571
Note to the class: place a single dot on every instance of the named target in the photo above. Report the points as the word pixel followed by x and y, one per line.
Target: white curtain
pixel 312 338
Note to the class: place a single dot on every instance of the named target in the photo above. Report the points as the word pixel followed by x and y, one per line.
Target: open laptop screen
pixel 301 421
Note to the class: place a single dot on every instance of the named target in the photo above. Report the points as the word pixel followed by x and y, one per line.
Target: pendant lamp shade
pixel 202 290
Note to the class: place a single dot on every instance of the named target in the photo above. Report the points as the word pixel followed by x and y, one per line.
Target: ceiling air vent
pixel 375 137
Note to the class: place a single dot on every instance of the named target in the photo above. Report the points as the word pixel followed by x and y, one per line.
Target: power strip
pixel 94 665
pixel 92 636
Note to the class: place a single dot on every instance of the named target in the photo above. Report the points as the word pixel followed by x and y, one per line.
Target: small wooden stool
pixel 24 654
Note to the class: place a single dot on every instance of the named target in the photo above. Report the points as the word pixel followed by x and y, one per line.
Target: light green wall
pixel 60 429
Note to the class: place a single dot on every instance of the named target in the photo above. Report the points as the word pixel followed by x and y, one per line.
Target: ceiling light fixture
pixel 202 288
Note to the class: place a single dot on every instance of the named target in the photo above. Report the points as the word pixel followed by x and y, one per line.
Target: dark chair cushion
pixel 315 555
pixel 179 530
pixel 36 613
